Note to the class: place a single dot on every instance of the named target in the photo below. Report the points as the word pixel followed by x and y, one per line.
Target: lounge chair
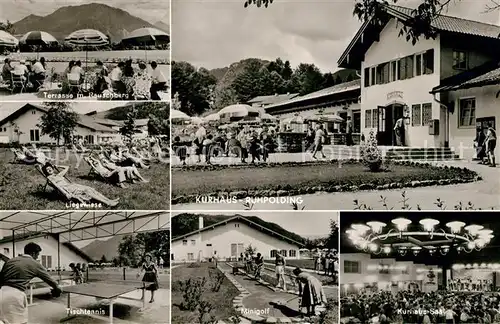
pixel 20 157
pixel 60 190
pixel 94 171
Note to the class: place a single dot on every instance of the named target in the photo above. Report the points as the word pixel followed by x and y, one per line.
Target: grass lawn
pixel 21 186
pixel 222 300
pixel 200 182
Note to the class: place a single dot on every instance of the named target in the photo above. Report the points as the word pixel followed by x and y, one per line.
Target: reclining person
pixel 78 190
pixel 116 173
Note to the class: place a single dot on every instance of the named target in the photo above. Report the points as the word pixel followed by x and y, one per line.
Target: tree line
pixel 198 90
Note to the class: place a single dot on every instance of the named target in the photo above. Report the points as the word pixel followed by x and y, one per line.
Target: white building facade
pixel 49 255
pixel 398 79
pixel 228 240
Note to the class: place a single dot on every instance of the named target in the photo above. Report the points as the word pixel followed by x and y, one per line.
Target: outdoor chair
pixel 94 171
pixel 17 81
pixel 58 189
pixel 74 84
pixel 20 157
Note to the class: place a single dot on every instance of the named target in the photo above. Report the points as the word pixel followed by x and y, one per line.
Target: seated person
pixel 116 78
pixel 39 72
pixel 82 192
pixel 77 69
pixel 159 82
pixel 6 70
pixel 21 70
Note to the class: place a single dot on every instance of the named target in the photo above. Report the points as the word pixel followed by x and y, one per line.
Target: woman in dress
pixel 75 189
pixel 280 271
pixel 310 291
pixel 150 276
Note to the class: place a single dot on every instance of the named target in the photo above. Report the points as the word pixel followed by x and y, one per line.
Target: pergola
pixel 70 226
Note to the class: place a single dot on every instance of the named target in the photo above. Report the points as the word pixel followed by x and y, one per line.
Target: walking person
pixel 319 140
pixel 280 264
pixel 248 263
pixel 491 143
pixel 15 277
pixel 150 276
pixel 311 291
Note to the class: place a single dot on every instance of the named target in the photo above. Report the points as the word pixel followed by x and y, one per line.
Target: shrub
pixel 329 316
pixel 216 278
pixel 192 291
pixel 205 309
pixel 371 156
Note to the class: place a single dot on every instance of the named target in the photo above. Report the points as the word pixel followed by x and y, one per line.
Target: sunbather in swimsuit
pixel 123 174
pixel 78 190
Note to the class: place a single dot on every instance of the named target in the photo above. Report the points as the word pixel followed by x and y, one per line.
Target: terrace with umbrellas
pixel 85 63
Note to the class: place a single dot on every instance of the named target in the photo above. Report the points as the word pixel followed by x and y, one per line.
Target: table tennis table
pixel 35 281
pixel 106 291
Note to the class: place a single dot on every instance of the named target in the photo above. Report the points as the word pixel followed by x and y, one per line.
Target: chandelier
pixel 426 236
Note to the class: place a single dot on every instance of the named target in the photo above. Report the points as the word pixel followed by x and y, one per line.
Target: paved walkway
pixel 483 194
pixel 263 298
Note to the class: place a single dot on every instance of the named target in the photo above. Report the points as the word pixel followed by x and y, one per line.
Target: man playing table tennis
pixel 14 280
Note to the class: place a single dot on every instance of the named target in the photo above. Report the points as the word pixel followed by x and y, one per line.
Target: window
pixel 273 253
pixel 292 253
pixel 402 69
pixel 426 114
pixel 416 115
pixel 34 135
pixel 467 112
pixel 47 261
pixel 5 129
pixel 418 64
pixel 209 244
pixel 428 62
pixel 373 78
pixel 351 267
pixel 190 256
pixel 367 77
pixel 284 253
pixel 33 112
pixel 374 118
pixel 236 225
pixel 386 69
pixel 89 139
pixel 409 66
pixel 394 71
pixel 193 242
pixel 184 242
pixel 6 251
pixel 459 60
pixel 378 75
pixel 368 119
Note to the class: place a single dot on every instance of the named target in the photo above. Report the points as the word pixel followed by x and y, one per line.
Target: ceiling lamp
pixel 377 237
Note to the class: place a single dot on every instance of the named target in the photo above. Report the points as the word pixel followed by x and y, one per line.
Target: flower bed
pixel 294 178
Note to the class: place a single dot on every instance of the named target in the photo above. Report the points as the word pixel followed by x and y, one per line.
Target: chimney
pixel 200 222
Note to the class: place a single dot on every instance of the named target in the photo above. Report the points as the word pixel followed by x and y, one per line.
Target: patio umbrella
pixel 87 37
pixel 37 38
pixel 197 120
pixel 7 39
pixel 212 117
pixel 238 110
pixel 146 35
pixel 325 118
pixel 177 115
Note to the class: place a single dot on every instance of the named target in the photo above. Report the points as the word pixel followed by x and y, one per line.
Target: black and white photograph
pixel 76 155
pixel 340 105
pixel 419 267
pixel 85 267
pixel 85 50
pixel 255 267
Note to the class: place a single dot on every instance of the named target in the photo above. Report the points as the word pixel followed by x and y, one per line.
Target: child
pixel 179 149
pixel 77 274
pixel 207 147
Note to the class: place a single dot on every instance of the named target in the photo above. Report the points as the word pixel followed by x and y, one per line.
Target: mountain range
pixel 114 22
pixel 109 248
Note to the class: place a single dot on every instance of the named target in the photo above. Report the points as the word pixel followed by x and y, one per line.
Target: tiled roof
pixel 456 24
pixel 338 88
pixel 486 74
pixel 274 99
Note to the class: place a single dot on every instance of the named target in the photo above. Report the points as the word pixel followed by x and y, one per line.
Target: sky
pixel 303 223
pixel 7 108
pixel 152 11
pixel 216 33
